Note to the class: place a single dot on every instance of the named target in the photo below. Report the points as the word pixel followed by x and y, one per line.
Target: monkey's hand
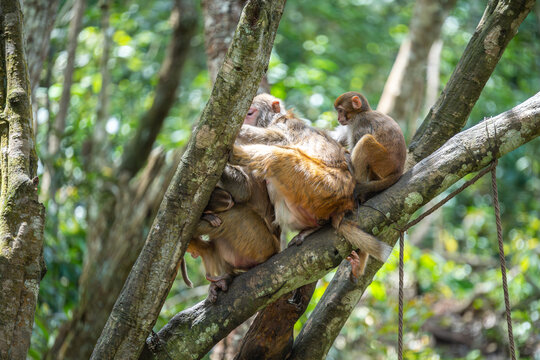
pixel 358 264
pixel 213 219
pixel 218 283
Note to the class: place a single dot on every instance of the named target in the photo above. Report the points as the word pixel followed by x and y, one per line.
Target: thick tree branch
pixel 194 331
pixel 184 19
pixel 448 116
pixel 466 152
pixel 468 78
pixel 146 288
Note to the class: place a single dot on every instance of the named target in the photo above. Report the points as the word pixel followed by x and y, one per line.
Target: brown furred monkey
pixel 377 145
pixel 242 240
pixel 307 177
pixel 238 220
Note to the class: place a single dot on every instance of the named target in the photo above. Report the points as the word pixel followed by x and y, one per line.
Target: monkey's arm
pixel 235 180
pixel 257 135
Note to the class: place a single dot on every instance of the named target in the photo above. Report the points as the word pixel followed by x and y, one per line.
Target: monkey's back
pixel 243 238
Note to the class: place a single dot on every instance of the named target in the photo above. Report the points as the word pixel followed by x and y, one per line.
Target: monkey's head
pixel 263 108
pixel 350 104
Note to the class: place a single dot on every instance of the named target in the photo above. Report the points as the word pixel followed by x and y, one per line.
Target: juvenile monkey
pixel 307 177
pixel 242 240
pixel 376 142
pixel 238 221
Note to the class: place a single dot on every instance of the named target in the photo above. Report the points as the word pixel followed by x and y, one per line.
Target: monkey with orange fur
pixel 376 142
pixel 307 177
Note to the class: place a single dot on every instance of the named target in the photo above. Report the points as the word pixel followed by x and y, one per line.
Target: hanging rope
pixel 495 194
pixel 502 259
pixel 400 295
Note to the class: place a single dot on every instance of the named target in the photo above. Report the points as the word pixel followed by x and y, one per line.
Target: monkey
pixel 240 242
pixel 307 176
pixel 238 220
pixel 376 142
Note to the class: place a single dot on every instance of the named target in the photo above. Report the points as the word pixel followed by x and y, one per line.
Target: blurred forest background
pixel 454 305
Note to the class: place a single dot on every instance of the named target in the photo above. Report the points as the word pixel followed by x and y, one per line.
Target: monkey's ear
pixel 356 103
pixel 276 107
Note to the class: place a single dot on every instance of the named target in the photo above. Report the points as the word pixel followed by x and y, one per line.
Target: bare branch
pixel 60 120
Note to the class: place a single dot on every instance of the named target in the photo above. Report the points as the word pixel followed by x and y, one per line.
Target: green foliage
pixel 322 50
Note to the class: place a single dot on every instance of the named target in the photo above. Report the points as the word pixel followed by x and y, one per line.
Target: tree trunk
pixel 59 125
pixel 403 93
pixel 22 216
pixel 118 217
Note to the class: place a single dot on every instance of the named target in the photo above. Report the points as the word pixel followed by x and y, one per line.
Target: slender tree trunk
pixel 39 17
pixel 59 125
pixel 125 208
pixel 403 94
pixel 98 142
pixel 22 216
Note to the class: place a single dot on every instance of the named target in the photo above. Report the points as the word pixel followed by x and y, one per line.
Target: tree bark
pixel 146 288
pixel 496 17
pixel 271 336
pixel 21 215
pixel 403 93
pixel 124 208
pixel 191 333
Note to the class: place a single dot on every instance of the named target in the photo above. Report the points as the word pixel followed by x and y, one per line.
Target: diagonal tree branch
pixel 146 288
pixel 469 151
pixel 447 117
pixel 193 331
pixel 465 77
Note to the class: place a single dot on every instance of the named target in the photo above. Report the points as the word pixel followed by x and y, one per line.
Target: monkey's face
pixel 251 116
pixel 342 115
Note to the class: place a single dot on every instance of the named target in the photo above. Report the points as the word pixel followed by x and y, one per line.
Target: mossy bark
pixel 21 214
pixel 146 288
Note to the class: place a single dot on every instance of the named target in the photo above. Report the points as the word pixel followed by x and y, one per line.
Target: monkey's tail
pixel 364 241
pixel 185 274
pixel 377 185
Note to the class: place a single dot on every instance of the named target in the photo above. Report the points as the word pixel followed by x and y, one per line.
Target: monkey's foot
pixel 214 220
pixel 358 263
pixel 218 283
pixel 299 239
